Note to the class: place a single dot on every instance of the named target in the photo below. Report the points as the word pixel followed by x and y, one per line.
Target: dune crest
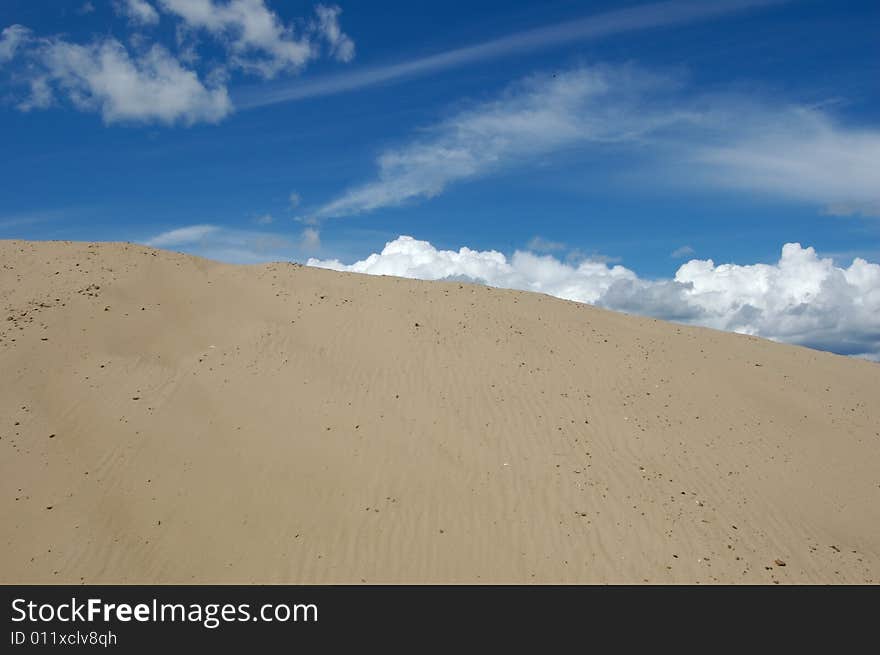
pixel 165 418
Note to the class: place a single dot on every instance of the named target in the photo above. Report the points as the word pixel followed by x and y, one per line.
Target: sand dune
pixel 165 418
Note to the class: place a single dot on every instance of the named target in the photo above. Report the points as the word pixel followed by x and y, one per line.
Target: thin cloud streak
pixel 728 141
pixel 661 14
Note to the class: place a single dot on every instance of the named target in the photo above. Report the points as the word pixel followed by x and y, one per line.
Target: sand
pixel 168 419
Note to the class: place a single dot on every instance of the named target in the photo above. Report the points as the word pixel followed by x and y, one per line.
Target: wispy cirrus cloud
pixel 641 17
pixel 540 244
pixel 236 245
pixel 537 115
pixel 310 239
pixel 794 152
pixel 731 141
pixel 182 236
pixel 11 223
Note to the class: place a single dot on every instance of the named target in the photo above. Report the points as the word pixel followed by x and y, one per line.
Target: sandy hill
pixel 165 418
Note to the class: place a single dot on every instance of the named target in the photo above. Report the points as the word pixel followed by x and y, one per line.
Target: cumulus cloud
pixel 255 37
pixel 341 46
pixel 139 12
pixel 408 257
pixel 41 95
pixel 801 299
pixel 149 82
pixel 11 38
pixel 104 77
pixel 729 141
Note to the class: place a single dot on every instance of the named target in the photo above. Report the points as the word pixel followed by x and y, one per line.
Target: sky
pixel 713 163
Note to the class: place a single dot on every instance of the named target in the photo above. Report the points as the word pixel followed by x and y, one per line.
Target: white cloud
pixel 147 82
pixel 536 116
pixel 310 239
pixel 234 245
pixel 628 19
pixel 41 95
pixel 733 142
pixel 341 46
pixel 86 8
pixel 182 236
pixel 256 39
pixel 683 251
pixel 265 219
pixel 540 244
pixel 577 256
pixel 11 38
pixel 294 199
pixel 104 77
pixel 793 152
pixel 407 257
pixel 139 12
pixel 801 299
pixel 870 208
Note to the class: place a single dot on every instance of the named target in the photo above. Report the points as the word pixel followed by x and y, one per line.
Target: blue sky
pixel 633 137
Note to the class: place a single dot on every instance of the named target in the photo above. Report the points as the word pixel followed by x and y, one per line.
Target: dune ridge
pixel 169 419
